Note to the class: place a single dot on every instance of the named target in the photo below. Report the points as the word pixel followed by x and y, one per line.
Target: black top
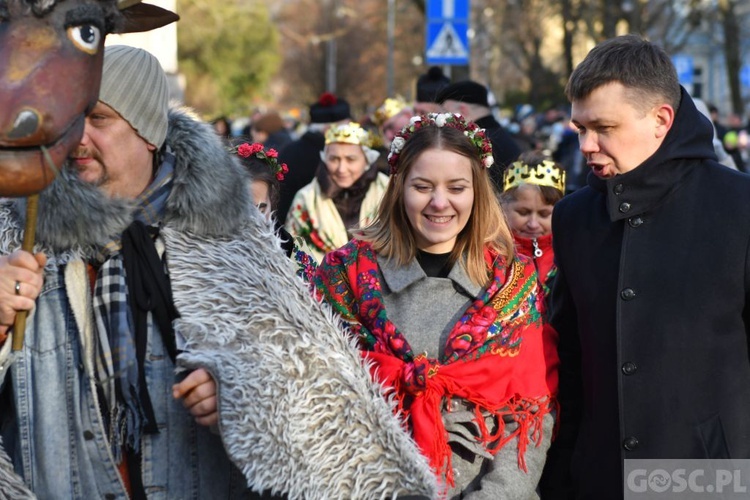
pixel 435 265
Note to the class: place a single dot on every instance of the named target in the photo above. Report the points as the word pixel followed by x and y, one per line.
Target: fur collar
pixel 210 196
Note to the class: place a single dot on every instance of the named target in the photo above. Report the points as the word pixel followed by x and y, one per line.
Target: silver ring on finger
pixel 18 287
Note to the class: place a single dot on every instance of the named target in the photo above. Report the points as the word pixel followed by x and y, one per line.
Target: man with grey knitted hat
pixel 132 110
pixel 134 84
pixel 97 410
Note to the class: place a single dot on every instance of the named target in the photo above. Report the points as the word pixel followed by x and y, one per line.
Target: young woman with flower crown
pixel 449 317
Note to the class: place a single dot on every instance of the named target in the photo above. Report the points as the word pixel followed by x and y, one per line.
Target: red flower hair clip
pixel 269 156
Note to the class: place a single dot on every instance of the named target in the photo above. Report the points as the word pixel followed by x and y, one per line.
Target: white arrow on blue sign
pixel 447 32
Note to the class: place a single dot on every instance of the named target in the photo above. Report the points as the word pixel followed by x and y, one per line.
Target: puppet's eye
pixel 86 37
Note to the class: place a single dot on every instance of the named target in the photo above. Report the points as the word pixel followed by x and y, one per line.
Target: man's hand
pixel 21 279
pixel 198 392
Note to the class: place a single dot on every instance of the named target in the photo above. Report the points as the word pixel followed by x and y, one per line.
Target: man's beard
pixel 75 214
pixel 83 152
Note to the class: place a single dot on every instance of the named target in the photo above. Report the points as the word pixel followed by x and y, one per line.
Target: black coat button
pixel 629 368
pixel 627 294
pixel 88 435
pixel 618 189
pixel 624 207
pixel 635 221
pixel 630 443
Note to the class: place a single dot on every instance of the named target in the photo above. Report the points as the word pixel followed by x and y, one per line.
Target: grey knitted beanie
pixel 134 85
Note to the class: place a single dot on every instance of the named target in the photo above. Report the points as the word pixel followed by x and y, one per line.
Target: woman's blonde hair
pixel 392 235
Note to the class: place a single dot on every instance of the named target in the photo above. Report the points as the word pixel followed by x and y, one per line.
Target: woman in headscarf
pixel 345 193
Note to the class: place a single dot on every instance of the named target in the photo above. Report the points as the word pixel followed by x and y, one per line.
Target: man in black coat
pixel 470 99
pixel 652 296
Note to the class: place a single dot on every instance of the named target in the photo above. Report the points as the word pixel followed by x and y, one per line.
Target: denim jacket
pixel 50 416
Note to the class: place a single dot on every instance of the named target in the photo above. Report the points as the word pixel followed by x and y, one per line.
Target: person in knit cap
pixel 97 405
pixel 429 86
pixel 345 193
pixel 470 99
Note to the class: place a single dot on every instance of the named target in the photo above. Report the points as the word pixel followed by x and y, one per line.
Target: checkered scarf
pixel 117 366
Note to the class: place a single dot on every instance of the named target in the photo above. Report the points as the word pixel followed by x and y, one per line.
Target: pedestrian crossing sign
pixel 447 37
pixel 447 45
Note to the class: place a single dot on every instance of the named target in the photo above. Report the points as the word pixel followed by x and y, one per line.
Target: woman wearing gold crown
pixel 345 193
pixel 449 317
pixel 531 187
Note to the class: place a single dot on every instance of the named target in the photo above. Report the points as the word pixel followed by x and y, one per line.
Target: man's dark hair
pixel 643 68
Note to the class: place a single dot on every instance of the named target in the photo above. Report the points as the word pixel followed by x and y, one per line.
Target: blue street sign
pixel 745 76
pixel 447 32
pixel 685 69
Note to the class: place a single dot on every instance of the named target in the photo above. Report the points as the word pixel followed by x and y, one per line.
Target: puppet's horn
pixel 141 16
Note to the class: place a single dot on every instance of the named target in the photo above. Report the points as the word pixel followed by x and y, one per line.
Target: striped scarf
pixel 117 367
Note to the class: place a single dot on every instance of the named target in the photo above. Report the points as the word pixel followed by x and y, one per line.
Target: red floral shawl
pixel 499 355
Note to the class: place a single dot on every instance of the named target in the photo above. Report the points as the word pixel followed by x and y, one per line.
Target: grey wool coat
pixel 425 310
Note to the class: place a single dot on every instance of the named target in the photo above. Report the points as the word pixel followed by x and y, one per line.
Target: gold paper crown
pixel 348 133
pixel 543 174
pixel 390 108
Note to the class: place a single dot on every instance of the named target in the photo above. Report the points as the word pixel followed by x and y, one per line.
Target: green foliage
pixel 228 52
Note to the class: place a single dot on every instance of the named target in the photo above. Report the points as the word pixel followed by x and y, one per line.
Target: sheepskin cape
pixel 298 413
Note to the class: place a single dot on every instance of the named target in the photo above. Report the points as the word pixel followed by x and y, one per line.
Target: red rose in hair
pixel 256 148
pixel 245 150
pixel 272 153
pixel 327 99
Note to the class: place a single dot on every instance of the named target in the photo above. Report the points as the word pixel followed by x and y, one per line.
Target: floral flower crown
pixel 475 134
pixel 268 156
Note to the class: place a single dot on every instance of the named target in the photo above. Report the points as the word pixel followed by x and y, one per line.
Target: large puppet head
pixel 50 67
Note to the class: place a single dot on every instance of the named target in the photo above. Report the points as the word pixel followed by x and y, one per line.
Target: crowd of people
pixel 540 301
